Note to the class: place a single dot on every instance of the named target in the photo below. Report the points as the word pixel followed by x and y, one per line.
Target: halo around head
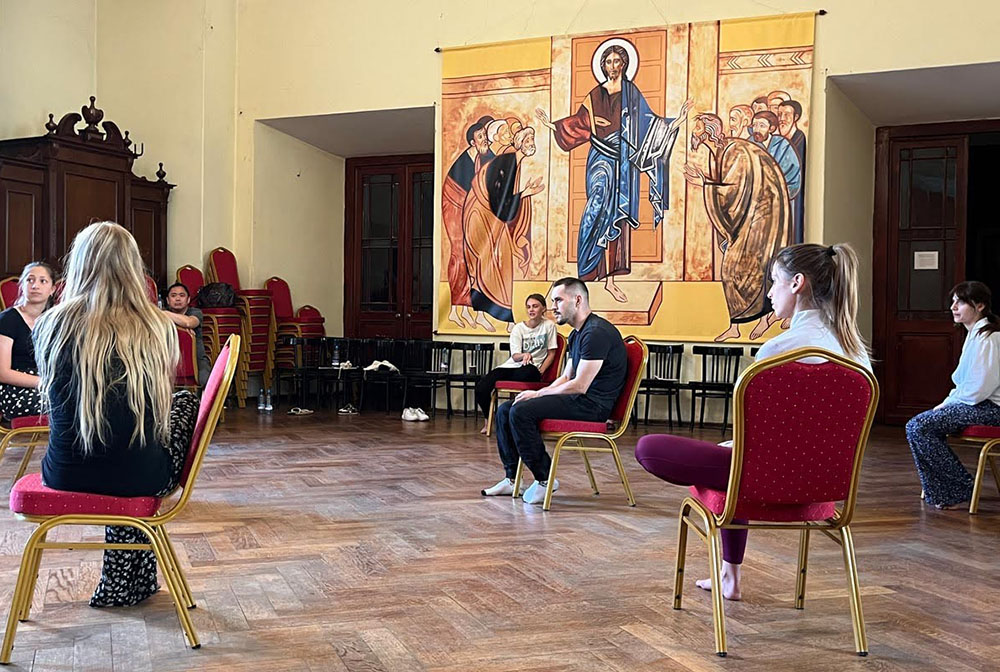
pixel 633 58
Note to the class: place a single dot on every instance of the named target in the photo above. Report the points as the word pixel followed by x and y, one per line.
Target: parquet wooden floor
pixel 362 544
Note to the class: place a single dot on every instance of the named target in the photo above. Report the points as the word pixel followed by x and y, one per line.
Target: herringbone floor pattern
pixel 362 544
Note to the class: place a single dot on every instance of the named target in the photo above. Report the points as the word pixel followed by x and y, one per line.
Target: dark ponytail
pixel 976 293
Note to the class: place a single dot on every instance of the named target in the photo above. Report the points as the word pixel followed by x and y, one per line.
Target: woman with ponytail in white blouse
pixel 975 400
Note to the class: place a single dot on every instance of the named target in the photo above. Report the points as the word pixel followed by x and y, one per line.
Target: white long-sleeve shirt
pixel 977 377
pixel 808 330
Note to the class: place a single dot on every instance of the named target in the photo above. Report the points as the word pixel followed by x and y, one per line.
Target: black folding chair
pixel 477 360
pixel 307 357
pixel 663 379
pixel 428 364
pixel 382 349
pixel 720 367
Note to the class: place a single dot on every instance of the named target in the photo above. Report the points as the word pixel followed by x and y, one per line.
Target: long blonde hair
pixel 105 315
pixel 833 279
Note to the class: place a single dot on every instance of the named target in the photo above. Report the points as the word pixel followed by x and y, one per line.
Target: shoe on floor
pixel 410 415
pixel 373 366
pixel 504 487
pixel 421 416
pixel 348 410
pixel 536 493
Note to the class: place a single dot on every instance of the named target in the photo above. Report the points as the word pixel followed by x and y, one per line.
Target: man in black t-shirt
pixel 587 390
pixel 181 313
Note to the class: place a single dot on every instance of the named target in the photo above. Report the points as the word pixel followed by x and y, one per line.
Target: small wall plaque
pixel 925 261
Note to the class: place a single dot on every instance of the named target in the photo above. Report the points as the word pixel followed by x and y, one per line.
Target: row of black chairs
pixel 428 365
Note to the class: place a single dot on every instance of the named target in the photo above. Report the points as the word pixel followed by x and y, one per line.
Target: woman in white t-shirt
pixel 533 346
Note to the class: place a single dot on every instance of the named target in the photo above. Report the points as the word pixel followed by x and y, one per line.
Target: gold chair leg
pixel 172 585
pixel 715 568
pixel 36 562
pixel 590 472
pixel 489 417
pixel 682 537
pixel 800 579
pixel 29 450
pixel 621 473
pixel 517 478
pixel 175 566
pixel 996 474
pixel 977 487
pixel 854 591
pixel 552 475
pixel 17 599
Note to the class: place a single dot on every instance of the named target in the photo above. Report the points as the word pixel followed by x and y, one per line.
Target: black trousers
pixel 517 428
pixel 484 388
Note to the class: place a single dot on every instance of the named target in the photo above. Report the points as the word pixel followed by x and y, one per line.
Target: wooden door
pixel 921 189
pixel 389 247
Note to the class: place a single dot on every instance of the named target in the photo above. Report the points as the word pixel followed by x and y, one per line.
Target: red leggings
pixel 683 461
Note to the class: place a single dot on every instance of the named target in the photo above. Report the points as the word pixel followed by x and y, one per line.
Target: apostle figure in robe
pixel 789 113
pixel 453 193
pixel 626 139
pixel 747 202
pixel 496 224
pixel 739 121
pixel 765 133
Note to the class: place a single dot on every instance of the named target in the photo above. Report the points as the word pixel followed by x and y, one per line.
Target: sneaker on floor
pixel 348 410
pixel 421 416
pixel 536 493
pixel 504 487
pixel 410 415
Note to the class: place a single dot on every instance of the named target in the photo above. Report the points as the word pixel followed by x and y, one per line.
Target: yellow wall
pixel 298 198
pixel 191 78
pixel 46 62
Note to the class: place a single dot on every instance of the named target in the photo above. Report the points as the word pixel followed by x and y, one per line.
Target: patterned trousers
pixel 945 481
pixel 129 577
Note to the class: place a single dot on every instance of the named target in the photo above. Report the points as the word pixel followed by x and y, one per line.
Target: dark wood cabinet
pixel 53 185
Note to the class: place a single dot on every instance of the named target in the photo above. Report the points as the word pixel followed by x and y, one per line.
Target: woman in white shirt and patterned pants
pixel 975 400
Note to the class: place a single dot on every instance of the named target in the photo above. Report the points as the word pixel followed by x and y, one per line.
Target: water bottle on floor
pixel 267 404
pixel 260 401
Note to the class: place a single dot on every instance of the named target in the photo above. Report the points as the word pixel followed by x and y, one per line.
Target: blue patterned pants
pixel 944 479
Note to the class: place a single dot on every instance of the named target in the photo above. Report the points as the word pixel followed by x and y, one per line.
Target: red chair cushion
pixel 253 293
pixel 715 500
pixel 30 421
pixel 514 385
pixel 221 312
pixel 565 426
pixel 980 432
pixel 208 395
pixel 30 497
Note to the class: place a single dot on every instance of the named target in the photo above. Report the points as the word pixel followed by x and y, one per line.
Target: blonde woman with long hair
pixel 18 372
pixel 814 286
pixel 106 361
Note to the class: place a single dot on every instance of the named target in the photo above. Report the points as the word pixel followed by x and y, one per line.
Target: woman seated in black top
pixel 107 359
pixel 18 373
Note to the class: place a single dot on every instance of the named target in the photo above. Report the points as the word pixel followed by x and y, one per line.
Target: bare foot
pixel 763 325
pixel 484 323
pixel 456 318
pixel 732 332
pixel 615 291
pixel 730 582
pixel 469 316
pixel 483 430
pixel 510 327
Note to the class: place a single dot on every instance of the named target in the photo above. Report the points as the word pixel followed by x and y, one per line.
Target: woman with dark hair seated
pixel 107 359
pixel 18 372
pixel 975 400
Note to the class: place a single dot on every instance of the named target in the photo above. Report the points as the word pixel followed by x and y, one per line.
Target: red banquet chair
pixel 30 431
pixel 256 310
pixel 510 388
pixel 988 440
pixel 288 324
pixel 581 432
pixel 799 435
pixel 187 364
pixel 151 291
pixel 9 291
pixel 30 500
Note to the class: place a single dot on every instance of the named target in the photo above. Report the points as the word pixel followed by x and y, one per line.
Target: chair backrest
pixel 9 291
pixel 665 362
pixel 281 298
pixel 477 358
pixel 213 398
pixel 187 364
pixel 151 291
pixel 308 312
pixel 637 354
pixel 555 367
pixel 800 431
pixel 192 278
pixel 222 267
pixel 719 365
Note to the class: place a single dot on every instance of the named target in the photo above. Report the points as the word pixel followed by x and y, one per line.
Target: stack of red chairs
pixel 219 324
pixel 255 310
pixel 289 323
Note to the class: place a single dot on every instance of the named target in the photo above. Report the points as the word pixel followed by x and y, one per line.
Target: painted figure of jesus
pixel 626 138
